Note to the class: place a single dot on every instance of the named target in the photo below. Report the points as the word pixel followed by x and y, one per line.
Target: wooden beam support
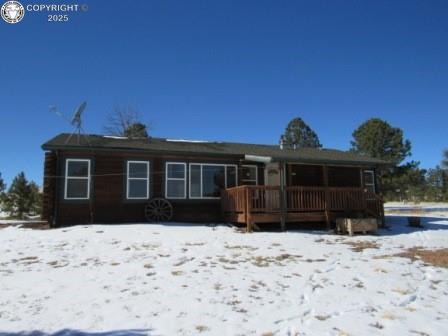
pixel 327 198
pixel 282 196
pixel 248 197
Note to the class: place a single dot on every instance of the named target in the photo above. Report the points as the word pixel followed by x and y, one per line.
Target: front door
pixel 272 178
pixel 272 174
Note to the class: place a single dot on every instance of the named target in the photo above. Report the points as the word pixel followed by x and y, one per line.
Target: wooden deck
pixel 251 205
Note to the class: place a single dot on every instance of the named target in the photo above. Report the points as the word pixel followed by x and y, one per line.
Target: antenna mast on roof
pixel 76 121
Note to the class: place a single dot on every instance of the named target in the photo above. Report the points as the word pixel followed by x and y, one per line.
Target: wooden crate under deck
pixel 352 225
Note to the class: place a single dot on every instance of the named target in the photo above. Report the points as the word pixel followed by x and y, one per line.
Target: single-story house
pixel 106 179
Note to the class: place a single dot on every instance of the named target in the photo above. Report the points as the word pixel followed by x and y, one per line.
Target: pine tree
pixel 299 134
pixel 2 184
pixel 22 197
pixel 2 190
pixel 136 130
pixel 406 181
pixel 445 159
pixel 437 184
pixel 380 140
pixel 35 199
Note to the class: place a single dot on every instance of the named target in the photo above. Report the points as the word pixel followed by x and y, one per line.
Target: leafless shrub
pixel 122 119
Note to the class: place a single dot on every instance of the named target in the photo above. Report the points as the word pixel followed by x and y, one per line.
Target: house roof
pixel 184 147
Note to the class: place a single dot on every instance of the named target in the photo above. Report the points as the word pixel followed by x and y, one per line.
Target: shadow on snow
pixel 398 224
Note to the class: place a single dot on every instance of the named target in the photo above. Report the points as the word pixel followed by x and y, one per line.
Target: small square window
pixel 249 175
pixel 176 182
pixel 137 180
pixel 77 179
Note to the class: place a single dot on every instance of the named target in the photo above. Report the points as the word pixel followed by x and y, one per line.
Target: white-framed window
pixel 249 175
pixel 137 180
pixel 77 179
pixel 176 180
pixel 207 179
pixel 369 180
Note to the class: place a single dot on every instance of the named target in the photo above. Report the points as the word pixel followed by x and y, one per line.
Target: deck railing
pixel 267 199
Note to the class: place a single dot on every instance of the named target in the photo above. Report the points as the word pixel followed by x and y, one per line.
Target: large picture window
pixel 176 180
pixel 207 180
pixel 137 180
pixel 249 175
pixel 77 179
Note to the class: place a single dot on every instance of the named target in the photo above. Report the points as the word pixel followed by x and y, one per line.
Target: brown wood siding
pixel 108 203
pixel 49 185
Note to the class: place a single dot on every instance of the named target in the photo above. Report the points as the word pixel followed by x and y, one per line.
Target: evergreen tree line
pixel 399 181
pixel 22 199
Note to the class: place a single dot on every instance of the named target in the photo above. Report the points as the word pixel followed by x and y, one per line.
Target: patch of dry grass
pixel 239 247
pixel 389 316
pixel 194 244
pixel 360 246
pixel 419 333
pixel 436 257
pixel 402 291
pixel 183 261
pixel 377 325
pixel 260 261
pixel 26 260
pixel 57 264
pixel 314 260
pixel 201 328
pixel 234 302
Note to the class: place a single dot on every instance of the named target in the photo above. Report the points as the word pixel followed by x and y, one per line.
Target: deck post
pixel 282 196
pixel 248 209
pixel 327 198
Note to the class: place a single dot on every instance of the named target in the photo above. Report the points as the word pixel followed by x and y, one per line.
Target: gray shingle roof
pixel 160 145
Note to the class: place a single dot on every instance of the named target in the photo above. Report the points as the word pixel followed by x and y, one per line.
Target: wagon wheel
pixel 158 210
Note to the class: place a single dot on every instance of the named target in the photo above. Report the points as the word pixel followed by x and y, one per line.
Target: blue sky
pixel 227 70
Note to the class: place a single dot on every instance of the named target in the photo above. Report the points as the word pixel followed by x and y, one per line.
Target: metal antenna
pixel 54 109
pixel 77 122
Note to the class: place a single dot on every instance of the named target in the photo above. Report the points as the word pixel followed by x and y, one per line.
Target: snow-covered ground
pixel 190 280
pixel 438 209
pixel 423 205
